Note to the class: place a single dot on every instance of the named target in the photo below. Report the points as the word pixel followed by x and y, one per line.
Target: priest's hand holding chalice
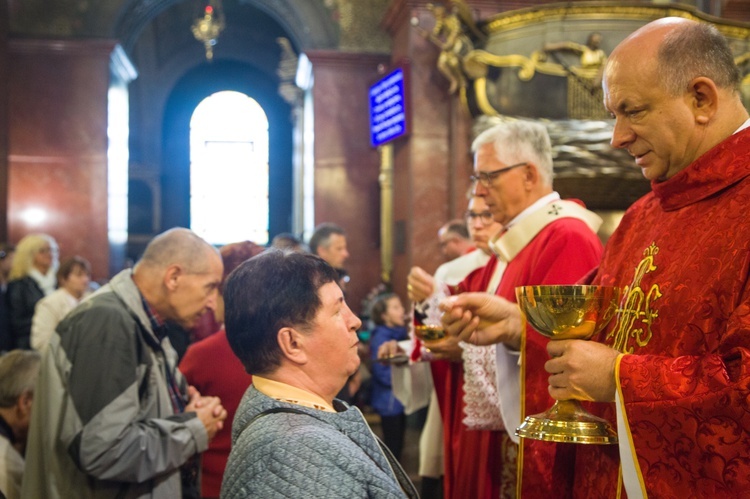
pixel 568 312
pixel 426 295
pixel 558 313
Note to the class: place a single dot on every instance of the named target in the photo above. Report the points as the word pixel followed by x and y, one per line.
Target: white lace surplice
pixel 482 404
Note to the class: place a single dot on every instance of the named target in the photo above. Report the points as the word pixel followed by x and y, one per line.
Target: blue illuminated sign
pixel 387 108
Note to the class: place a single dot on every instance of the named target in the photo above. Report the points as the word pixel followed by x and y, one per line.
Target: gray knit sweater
pixel 316 454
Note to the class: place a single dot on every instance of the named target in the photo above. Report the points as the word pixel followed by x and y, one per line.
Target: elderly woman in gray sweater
pixel 287 321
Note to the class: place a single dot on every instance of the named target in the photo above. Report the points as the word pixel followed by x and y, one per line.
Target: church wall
pixel 346 166
pixel 58 145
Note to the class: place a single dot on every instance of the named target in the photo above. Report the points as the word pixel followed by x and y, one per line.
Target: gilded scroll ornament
pixel 637 313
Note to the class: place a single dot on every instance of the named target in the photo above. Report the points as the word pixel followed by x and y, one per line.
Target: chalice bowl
pixel 427 314
pixel 563 313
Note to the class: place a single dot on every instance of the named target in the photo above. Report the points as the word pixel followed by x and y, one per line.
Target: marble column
pixel 57 168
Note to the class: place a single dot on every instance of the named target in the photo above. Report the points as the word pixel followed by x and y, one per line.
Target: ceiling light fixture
pixel 206 29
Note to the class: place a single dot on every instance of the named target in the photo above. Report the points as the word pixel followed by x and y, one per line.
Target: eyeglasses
pixel 486 178
pixel 485 217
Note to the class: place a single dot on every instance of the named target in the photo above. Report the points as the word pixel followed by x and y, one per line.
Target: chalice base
pixel 567 422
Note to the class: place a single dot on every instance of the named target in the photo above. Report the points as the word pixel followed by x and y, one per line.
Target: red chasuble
pixel 562 253
pixel 683 252
pixel 472 458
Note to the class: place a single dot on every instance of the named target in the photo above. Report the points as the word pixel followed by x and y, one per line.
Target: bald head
pixel 676 51
pixel 672 87
pixel 179 276
pixel 178 246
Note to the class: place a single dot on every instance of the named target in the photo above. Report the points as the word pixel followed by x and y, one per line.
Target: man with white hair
pixel 544 241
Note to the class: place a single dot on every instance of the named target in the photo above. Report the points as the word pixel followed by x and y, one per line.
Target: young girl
pixel 388 316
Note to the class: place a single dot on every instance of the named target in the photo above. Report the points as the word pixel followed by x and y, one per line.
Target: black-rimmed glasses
pixel 486 178
pixel 485 217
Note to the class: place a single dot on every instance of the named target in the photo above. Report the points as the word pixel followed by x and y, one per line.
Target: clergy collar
pixel 717 169
pixel 746 124
pixel 509 243
pixel 542 201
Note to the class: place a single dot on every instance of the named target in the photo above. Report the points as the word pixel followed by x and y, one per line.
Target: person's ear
pixel 703 98
pixel 530 176
pixel 292 344
pixel 23 405
pixel 171 276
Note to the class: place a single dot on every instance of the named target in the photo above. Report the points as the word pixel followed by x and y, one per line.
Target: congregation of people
pixel 242 372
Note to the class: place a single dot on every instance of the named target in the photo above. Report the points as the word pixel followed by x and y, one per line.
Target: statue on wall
pixel 584 80
pixel 449 37
pixel 592 56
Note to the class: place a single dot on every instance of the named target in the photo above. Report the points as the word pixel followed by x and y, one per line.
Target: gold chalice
pixel 562 313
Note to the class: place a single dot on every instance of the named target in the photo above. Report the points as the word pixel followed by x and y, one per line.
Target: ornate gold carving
pixel 602 11
pixel 636 316
pixel 480 89
pixel 584 81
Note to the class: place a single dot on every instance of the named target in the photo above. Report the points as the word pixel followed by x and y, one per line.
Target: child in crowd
pixel 388 316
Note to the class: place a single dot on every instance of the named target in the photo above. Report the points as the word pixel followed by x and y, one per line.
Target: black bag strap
pixel 403 479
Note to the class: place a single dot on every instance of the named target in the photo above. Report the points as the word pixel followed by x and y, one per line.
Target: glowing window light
pixel 229 169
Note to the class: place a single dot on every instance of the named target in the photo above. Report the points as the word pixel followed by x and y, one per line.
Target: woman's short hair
pixel 268 292
pixel 233 254
pixel 69 265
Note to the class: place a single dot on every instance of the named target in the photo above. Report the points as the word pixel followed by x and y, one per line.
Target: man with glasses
pixel 544 241
pixel 446 356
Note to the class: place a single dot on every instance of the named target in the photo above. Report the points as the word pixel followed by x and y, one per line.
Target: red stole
pixel 561 253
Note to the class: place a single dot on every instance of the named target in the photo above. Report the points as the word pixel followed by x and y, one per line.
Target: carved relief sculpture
pixel 454 45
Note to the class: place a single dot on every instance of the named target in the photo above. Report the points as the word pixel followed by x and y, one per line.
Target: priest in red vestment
pixel 673 371
pixel 545 241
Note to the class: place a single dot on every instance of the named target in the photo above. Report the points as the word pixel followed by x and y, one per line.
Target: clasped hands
pixel 208 409
pixel 583 370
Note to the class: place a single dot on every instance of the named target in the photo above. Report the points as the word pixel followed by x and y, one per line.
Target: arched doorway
pixel 229 169
pixel 193 88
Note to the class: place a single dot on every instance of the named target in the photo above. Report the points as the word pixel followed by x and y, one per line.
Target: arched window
pixel 229 169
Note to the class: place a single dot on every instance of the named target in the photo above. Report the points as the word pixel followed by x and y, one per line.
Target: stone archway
pixel 308 22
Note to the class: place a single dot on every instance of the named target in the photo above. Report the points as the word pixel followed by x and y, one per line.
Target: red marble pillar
pixel 433 164
pixel 57 117
pixel 346 165
pixel 4 75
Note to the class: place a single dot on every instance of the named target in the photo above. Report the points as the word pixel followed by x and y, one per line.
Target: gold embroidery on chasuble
pixel 636 313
